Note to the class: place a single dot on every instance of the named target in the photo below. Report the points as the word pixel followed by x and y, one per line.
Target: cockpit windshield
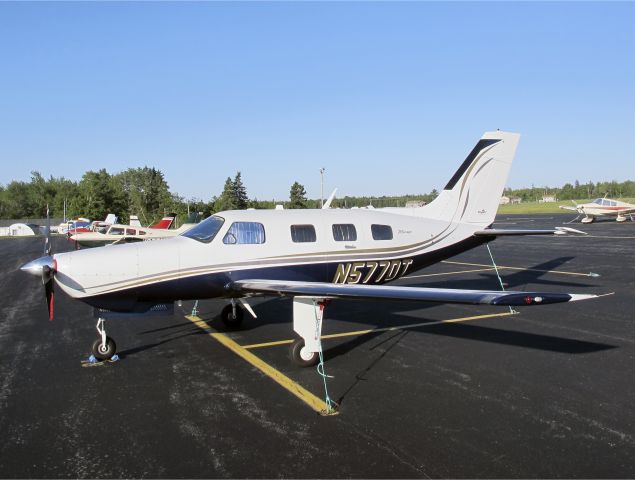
pixel 206 230
pixel 604 202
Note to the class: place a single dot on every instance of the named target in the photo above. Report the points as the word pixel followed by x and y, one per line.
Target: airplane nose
pixel 37 266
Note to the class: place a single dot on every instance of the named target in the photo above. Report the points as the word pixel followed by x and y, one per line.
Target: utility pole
pixel 322 189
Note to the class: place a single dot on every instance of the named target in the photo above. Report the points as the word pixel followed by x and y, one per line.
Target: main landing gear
pixel 308 313
pixel 104 348
pixel 307 323
pixel 301 356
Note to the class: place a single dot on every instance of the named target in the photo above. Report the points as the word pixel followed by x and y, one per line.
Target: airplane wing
pixel 497 232
pixel 567 207
pixel 380 292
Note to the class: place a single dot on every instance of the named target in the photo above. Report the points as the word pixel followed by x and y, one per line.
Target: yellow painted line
pixel 307 397
pixel 451 273
pixel 385 329
pixel 269 344
pixel 500 267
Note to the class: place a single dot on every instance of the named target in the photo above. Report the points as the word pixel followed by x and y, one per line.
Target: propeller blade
pixel 49 291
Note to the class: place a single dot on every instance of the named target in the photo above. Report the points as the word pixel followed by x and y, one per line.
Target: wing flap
pixel 381 292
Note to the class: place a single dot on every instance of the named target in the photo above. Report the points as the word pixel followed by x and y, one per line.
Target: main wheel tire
pixel 104 353
pixel 300 356
pixel 228 318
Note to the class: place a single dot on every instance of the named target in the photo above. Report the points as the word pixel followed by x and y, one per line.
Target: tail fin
pixel 165 222
pixel 473 193
pixel 134 221
pixel 110 219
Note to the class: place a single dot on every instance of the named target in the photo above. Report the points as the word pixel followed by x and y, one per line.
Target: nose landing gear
pixel 104 348
pixel 232 315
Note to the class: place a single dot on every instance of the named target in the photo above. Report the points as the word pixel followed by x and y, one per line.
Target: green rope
pixel 330 404
pixel 500 280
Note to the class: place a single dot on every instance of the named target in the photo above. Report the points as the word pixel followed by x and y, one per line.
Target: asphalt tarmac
pixel 548 392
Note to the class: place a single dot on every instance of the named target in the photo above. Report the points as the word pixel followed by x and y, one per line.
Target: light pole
pixel 322 185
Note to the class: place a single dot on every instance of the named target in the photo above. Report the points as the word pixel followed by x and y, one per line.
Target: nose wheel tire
pixel 301 356
pixel 104 352
pixel 229 319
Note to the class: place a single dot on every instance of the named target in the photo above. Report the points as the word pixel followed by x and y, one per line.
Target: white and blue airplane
pixel 310 255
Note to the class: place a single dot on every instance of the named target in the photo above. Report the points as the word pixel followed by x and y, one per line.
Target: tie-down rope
pixel 330 404
pixel 500 280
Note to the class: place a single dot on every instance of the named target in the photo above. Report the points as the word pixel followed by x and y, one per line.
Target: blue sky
pixel 388 97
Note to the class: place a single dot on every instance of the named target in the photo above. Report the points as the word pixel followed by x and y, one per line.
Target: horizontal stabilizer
pixel 497 232
pixel 381 292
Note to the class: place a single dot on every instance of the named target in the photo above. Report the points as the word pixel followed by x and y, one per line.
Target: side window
pixel 245 233
pixel 381 232
pixel 141 232
pixel 303 233
pixel 344 232
pixel 131 231
pixel 116 231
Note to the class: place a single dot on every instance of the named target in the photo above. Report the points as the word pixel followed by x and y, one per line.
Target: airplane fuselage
pixel 603 207
pixel 361 246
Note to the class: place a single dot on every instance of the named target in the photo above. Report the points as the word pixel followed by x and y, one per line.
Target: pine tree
pixel 241 201
pixel 297 196
pixel 226 201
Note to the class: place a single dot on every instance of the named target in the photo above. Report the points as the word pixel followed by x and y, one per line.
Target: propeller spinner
pixel 45 268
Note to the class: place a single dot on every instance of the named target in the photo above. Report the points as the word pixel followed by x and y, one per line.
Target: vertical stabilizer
pixel 164 223
pixel 134 221
pixel 473 193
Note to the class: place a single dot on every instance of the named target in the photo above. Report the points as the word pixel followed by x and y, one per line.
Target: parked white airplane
pixel 602 207
pixel 309 255
pixel 121 233
pixel 117 233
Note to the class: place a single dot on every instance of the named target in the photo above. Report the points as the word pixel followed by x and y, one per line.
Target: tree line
pixel 576 191
pixel 145 192
pixel 140 191
pixel 137 191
